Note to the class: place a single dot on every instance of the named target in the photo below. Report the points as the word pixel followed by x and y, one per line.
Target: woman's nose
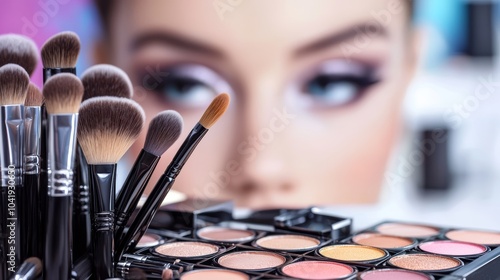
pixel 262 144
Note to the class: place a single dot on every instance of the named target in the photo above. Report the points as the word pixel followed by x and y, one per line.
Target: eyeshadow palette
pixel 265 245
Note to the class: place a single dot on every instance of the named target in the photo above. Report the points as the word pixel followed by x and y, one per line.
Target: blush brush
pixel 98 80
pixel 59 55
pixel 20 50
pixel 108 126
pixel 63 95
pixel 14 81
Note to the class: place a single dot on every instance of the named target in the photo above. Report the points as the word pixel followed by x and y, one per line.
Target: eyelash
pixel 335 90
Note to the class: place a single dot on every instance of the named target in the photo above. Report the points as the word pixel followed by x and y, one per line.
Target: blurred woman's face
pixel 316 88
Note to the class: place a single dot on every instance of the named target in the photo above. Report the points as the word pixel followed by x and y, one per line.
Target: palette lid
pixel 192 213
pixel 315 221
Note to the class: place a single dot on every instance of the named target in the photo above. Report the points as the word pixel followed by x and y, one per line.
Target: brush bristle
pixel 215 110
pixel 19 50
pixel 14 81
pixel 106 80
pixel 107 127
pixel 34 96
pixel 167 274
pixel 163 131
pixel 37 263
pixel 61 50
pixel 63 94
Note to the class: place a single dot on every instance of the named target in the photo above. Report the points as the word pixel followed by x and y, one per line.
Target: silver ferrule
pixel 61 151
pixel 32 128
pixel 11 143
pixel 123 268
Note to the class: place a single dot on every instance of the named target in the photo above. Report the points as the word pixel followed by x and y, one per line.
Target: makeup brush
pixel 107 128
pixel 106 80
pixel 20 50
pixel 143 219
pixel 63 95
pixel 138 270
pixel 153 260
pixel 29 270
pixel 163 131
pixel 60 54
pixel 98 80
pixel 32 128
pixel 14 81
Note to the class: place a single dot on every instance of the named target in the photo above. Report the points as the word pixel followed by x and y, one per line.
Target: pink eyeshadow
pixel 317 270
pixel 148 240
pixel 251 260
pixel 452 248
pixel 393 274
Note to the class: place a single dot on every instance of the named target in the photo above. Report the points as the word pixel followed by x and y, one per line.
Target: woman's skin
pixel 316 90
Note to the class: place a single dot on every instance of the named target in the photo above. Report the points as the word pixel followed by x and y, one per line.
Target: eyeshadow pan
pixel 223 234
pixel 219 274
pixel 288 242
pixel 317 270
pixel 251 260
pixel 351 252
pixel 407 230
pixel 186 249
pixel 382 241
pixel 393 274
pixel 475 236
pixel 149 240
pixel 452 248
pixel 425 262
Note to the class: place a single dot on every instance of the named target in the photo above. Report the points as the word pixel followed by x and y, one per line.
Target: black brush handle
pixel 49 72
pixel 31 183
pixel 160 191
pixel 44 181
pixel 81 208
pixel 102 186
pixel 133 188
pixel 57 260
pixel 145 215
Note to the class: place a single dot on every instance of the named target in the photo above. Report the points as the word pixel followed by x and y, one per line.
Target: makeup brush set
pixel 59 153
pixel 59 218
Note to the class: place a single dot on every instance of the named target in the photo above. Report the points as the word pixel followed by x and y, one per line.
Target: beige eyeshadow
pixel 223 234
pixel 475 236
pixel 407 230
pixel 425 262
pixel 187 249
pixel 149 240
pixel 288 242
pixel 251 260
pixel 382 240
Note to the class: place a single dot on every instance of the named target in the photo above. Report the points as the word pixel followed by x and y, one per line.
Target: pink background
pixel 40 19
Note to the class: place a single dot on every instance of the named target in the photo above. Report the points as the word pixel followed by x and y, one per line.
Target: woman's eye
pixel 184 85
pixel 335 90
pixel 186 91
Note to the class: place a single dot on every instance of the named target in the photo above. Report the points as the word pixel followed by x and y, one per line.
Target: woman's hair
pixel 105 8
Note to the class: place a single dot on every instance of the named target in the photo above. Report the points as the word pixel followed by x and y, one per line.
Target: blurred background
pixel 447 169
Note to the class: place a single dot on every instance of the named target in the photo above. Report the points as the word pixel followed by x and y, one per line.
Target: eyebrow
pixel 173 40
pixel 342 36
